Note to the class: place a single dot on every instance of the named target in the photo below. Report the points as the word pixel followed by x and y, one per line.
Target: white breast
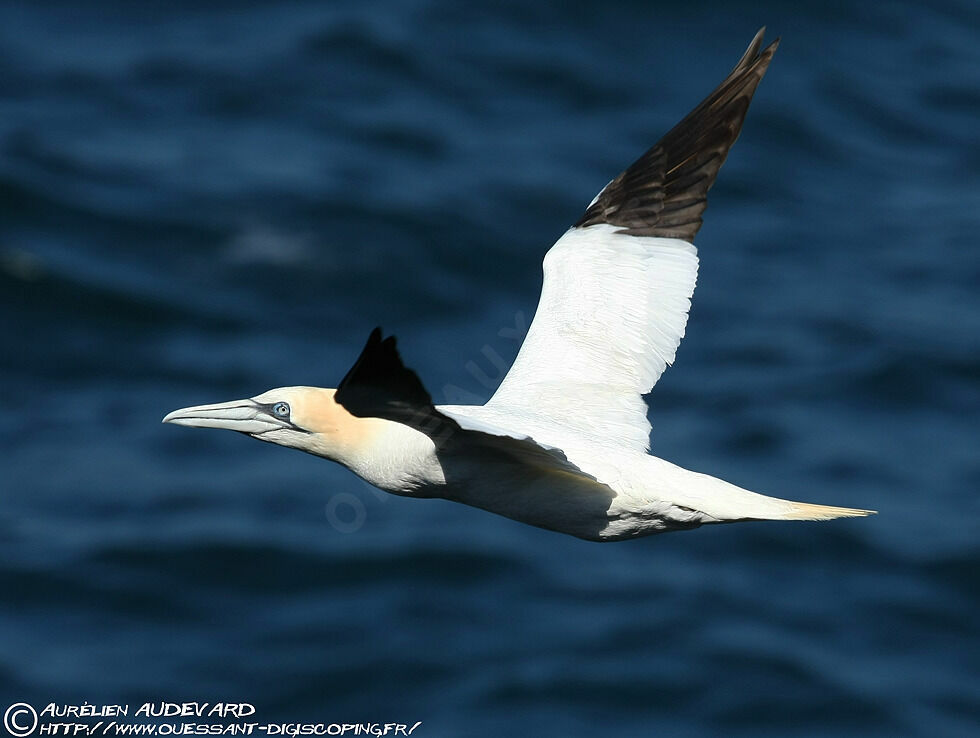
pixel 400 460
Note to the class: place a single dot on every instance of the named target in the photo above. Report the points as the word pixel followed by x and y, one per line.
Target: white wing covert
pixel 611 315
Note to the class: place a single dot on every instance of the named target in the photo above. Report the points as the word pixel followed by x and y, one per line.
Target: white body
pixel 576 387
pixel 620 495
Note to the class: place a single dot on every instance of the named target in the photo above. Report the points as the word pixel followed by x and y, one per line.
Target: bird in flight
pixel 563 444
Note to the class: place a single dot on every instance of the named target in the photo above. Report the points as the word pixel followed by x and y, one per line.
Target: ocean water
pixel 200 201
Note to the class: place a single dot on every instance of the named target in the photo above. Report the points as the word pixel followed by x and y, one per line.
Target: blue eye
pixel 281 409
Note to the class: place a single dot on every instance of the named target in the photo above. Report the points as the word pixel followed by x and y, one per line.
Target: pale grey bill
pixel 245 416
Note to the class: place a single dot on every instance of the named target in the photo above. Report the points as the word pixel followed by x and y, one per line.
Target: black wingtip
pixel 379 381
pixel 664 193
pixel 752 51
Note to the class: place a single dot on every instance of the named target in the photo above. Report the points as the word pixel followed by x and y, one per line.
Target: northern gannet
pixel 563 443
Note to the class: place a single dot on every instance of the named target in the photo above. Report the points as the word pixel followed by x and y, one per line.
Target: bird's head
pixel 306 418
pixel 375 404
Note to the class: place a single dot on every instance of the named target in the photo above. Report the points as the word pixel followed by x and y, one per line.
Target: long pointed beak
pixel 245 416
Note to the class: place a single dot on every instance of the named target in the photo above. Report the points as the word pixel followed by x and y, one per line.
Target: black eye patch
pixel 280 411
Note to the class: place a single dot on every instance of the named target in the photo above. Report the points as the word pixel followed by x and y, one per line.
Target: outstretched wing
pixel 617 286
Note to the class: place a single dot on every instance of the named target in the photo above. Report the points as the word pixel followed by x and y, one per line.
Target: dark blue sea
pixel 200 201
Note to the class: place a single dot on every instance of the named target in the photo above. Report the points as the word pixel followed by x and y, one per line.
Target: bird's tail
pixel 807 511
pixel 725 502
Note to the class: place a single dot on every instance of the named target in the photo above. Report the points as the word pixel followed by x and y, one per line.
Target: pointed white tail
pixel 807 511
pixel 724 501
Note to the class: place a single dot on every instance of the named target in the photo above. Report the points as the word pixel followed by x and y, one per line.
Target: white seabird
pixel 563 443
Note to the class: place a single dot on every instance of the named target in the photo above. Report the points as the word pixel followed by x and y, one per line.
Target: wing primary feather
pixel 379 385
pixel 379 372
pixel 683 165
